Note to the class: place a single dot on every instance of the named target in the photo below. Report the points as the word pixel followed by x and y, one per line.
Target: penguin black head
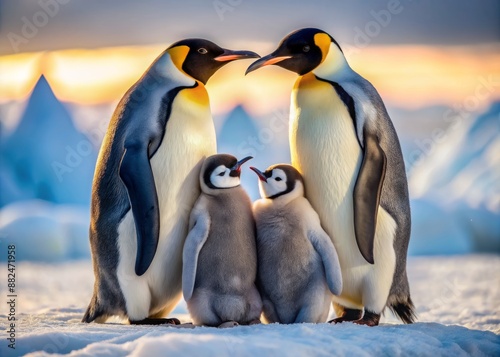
pixel 201 58
pixel 279 180
pixel 221 171
pixel 301 51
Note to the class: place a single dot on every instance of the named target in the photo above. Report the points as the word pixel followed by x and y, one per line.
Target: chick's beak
pixel 229 55
pixel 259 173
pixel 266 61
pixel 237 167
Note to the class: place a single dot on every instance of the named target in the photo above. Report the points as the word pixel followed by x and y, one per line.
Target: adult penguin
pixel 146 182
pixel 344 144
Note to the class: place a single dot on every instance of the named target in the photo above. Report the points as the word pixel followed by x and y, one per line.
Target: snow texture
pixel 457 299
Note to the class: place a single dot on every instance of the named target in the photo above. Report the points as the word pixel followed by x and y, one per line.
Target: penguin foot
pixel 369 319
pixel 228 324
pixel 156 321
pixel 348 315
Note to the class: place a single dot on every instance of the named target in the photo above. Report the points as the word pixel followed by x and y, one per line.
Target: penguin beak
pixel 259 173
pixel 229 55
pixel 237 167
pixel 266 61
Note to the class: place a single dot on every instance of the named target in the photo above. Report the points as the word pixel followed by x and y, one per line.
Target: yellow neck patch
pixel 178 55
pixel 197 95
pixel 323 41
pixel 308 81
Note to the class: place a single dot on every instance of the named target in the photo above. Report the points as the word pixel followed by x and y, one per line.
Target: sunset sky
pixel 406 76
pixel 414 54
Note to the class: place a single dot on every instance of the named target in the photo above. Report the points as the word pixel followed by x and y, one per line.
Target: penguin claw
pixel 348 315
pixel 370 323
pixel 338 320
pixel 368 319
pixel 174 321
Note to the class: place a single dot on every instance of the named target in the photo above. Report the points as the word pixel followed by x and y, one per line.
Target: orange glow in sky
pixel 405 76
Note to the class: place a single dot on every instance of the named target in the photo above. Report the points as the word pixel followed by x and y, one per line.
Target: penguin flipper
pixel 136 174
pixel 192 247
pixel 326 250
pixel 367 194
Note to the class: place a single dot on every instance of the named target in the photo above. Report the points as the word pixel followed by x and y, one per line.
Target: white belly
pixel 189 138
pixel 325 150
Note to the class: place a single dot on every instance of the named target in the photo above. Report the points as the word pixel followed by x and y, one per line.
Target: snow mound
pixel 283 340
pixel 45 232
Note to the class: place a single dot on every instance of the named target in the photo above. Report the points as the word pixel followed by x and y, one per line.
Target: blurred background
pixel 64 64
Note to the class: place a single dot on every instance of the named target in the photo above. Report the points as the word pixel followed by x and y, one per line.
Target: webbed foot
pixel 155 321
pixel 348 315
pixel 368 319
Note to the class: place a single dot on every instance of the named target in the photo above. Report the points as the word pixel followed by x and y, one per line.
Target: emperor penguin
pixel 344 144
pixel 220 256
pixel 146 182
pixel 298 267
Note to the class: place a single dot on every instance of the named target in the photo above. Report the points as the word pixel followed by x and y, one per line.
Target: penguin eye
pixel 306 48
pixel 203 51
pixel 221 174
pixel 278 178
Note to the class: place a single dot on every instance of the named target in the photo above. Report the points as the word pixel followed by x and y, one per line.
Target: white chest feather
pixel 188 139
pixel 324 148
pixel 323 143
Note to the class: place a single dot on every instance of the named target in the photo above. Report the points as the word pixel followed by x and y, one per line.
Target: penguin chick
pixel 298 267
pixel 220 255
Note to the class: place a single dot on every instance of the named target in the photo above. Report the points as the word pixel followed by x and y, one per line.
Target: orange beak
pixel 229 55
pixel 266 61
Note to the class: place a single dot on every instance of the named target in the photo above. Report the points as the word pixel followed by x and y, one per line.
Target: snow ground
pixel 457 299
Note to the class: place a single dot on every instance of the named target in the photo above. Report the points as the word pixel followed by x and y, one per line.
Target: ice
pixel 456 189
pixel 45 156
